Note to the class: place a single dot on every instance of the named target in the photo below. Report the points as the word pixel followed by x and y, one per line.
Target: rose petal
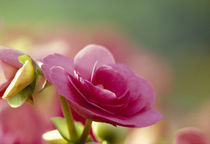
pixel 142 119
pixel 57 60
pixel 66 88
pixel 110 79
pixel 92 92
pixel 61 81
pixel 141 92
pixel 100 98
pixel 88 57
pixel 10 56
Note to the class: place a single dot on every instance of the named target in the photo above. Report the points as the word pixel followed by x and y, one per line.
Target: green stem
pixel 85 132
pixel 69 118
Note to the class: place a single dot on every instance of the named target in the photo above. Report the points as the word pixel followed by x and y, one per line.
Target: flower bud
pixel 24 76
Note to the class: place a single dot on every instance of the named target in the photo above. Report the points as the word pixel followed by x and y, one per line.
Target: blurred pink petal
pixel 190 136
pixel 10 56
pixel 20 124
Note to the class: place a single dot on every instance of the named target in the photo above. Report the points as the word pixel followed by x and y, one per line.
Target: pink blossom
pixel 190 136
pixel 102 90
pixel 21 125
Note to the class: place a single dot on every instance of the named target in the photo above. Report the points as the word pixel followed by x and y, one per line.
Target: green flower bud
pixel 24 76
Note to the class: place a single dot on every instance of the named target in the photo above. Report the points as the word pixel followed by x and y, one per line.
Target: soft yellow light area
pixel 21 44
pixel 147 135
pixel 54 137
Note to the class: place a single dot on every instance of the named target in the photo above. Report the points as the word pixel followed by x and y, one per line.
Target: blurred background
pixel 167 42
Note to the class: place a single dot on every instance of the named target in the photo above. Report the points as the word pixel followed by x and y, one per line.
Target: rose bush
pixel 101 90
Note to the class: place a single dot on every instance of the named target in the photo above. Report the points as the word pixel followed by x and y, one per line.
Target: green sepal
pixel 39 71
pixel 22 59
pixel 18 99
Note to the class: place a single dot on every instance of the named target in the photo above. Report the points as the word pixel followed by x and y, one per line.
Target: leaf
pixel 60 124
pixel 109 133
pixel 54 137
pixel 24 77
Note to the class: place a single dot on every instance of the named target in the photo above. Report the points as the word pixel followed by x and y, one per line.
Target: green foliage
pixel 61 126
pixel 109 133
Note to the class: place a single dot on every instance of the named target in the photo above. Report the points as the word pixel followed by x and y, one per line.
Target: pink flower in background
pixel 101 90
pixel 9 65
pixel 22 125
pixel 190 136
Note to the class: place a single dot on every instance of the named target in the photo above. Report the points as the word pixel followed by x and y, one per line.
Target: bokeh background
pixel 168 42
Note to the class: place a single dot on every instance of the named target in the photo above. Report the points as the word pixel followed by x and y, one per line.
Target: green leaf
pixel 60 124
pixel 54 137
pixel 109 133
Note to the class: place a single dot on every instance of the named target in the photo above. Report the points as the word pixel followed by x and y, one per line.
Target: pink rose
pixel 190 136
pixel 101 90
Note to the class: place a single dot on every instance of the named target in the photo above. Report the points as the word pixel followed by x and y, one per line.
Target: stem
pixel 85 132
pixel 69 118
